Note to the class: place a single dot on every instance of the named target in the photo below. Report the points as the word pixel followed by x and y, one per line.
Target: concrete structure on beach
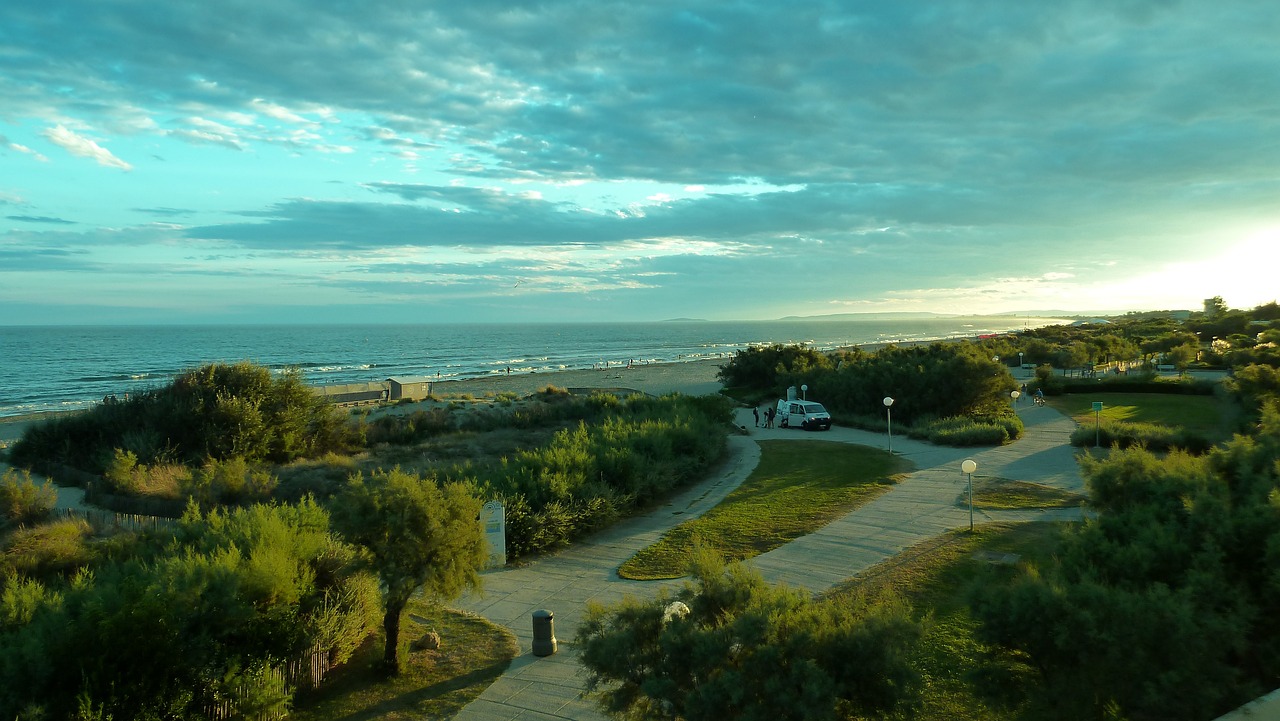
pixel 353 393
pixel 392 389
pixel 409 388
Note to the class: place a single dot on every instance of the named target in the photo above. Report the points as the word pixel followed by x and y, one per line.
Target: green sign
pixel 1097 406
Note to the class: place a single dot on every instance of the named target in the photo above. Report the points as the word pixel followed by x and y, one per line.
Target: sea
pixel 61 368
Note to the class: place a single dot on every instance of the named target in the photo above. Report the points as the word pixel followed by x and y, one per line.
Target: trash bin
pixel 544 633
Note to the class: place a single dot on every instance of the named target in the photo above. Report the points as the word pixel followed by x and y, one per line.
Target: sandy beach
pixel 692 378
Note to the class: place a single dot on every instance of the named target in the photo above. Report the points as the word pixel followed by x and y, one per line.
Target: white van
pixel 803 414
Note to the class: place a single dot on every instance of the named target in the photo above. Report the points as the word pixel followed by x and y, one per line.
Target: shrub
pixel 22 501
pixel 231 481
pixel 321 478
pixel 1152 436
pixel 967 432
pixel 403 429
pixel 1144 383
pixel 219 411
pixel 126 477
pixel 48 548
pixel 594 472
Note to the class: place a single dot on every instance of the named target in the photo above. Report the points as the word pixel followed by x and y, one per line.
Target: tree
pixel 770 368
pixel 1214 307
pixel 419 536
pixel 185 621
pixel 1182 356
pixel 729 645
pixel 1162 603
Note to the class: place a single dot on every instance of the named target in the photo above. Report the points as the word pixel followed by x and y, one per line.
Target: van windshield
pixel 814 408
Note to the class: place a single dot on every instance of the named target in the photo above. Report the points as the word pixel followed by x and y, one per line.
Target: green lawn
pixel 1205 415
pixel 434 684
pixel 962 678
pixel 798 487
pixel 1003 494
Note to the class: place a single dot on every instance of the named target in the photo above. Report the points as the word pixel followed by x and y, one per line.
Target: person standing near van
pixel 770 414
pixel 756 412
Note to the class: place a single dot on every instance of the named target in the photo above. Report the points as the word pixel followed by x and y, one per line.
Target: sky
pixel 299 161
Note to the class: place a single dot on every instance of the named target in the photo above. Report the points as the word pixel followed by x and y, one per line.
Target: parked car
pixel 808 415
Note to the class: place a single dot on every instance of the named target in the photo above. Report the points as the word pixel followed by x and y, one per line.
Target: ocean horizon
pixel 61 368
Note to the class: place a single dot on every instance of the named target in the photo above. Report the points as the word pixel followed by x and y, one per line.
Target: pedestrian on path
pixel 756 412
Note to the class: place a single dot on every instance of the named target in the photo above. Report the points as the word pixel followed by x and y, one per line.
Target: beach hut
pixel 353 393
pixel 411 389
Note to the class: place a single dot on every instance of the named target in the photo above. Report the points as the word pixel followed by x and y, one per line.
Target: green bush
pixel 1145 383
pixel 967 432
pixel 125 476
pixel 232 481
pixel 171 630
pixel 1151 436
pixel 22 501
pixel 55 547
pixel 218 411
pixel 1161 606
pixel 592 473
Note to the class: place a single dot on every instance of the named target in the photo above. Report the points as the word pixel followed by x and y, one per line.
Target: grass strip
pixel 433 683
pixel 1206 415
pixel 797 488
pixel 963 679
pixel 1002 494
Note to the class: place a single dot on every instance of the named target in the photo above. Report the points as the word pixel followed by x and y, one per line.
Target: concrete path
pixel 925 504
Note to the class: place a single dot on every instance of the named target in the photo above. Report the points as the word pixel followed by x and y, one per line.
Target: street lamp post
pixel 1015 395
pixel 1019 361
pixel 888 410
pixel 968 467
pixel 804 391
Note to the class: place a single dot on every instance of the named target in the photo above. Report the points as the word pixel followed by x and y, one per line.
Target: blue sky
pixel 290 161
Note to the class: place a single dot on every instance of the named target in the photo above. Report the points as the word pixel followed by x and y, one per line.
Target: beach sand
pixel 692 378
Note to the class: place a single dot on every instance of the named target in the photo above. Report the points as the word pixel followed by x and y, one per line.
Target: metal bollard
pixel 544 633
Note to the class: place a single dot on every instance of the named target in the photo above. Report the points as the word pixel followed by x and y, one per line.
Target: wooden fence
pixel 303 673
pixel 103 519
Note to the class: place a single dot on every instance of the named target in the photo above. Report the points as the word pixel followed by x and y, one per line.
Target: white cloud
pixel 19 147
pixel 931 154
pixel 279 112
pixel 83 147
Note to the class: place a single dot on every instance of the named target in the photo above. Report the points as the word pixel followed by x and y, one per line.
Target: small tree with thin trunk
pixel 419 536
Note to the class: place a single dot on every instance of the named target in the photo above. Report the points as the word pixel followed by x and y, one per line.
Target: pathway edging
pixel 921 506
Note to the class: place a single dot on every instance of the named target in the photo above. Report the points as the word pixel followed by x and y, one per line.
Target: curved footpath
pixel 925 504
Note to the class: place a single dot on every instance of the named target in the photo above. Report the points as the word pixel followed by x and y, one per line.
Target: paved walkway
pixel 924 505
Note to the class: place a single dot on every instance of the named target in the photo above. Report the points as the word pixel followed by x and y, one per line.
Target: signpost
pixel 494 516
pixel 968 467
pixel 1097 414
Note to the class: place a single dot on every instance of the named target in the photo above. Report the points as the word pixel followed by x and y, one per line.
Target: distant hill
pixel 899 315
pixel 925 315
pixel 685 320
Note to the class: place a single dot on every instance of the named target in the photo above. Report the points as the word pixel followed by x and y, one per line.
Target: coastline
pixel 59 369
pixel 696 377
pixel 688 377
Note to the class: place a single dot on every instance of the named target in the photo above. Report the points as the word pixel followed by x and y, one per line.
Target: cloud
pixel 39 219
pixel 875 150
pixel 83 147
pixel 165 212
pixel 6 143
